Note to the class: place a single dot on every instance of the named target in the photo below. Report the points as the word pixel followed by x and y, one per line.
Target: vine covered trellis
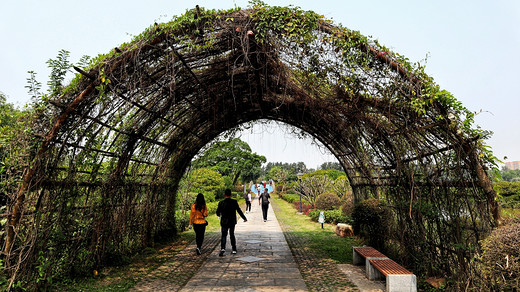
pixel 115 142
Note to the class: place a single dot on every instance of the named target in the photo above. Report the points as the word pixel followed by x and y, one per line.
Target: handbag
pixel 205 222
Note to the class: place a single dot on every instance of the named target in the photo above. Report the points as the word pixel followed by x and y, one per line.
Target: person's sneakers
pixel 198 251
pixel 221 253
pixel 265 220
pixel 234 252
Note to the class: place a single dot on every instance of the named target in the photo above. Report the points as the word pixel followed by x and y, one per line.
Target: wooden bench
pixel 397 277
pixel 360 254
pixel 379 267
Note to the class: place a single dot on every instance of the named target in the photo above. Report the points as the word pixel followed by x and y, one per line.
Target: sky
pixel 470 47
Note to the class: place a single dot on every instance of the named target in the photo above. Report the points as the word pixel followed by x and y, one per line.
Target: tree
pixel 296 167
pixel 510 174
pixel 292 169
pixel 280 175
pixel 331 165
pixel 206 180
pixel 341 187
pixel 14 150
pixel 251 174
pixel 330 173
pixel 8 113
pixel 230 158
pixel 311 186
pixel 322 181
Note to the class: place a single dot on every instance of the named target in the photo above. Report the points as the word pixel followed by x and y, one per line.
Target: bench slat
pixel 369 252
pixel 389 267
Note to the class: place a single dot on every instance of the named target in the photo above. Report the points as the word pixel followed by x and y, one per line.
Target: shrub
pixel 369 221
pixel 331 216
pixel 501 258
pixel 212 207
pixel 209 197
pixel 306 208
pixel 327 201
pixel 238 188
pixel 206 180
pixel 182 220
pixel 290 198
pixel 347 207
pixel 509 193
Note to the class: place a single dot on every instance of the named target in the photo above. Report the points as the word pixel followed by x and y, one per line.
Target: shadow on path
pixel 270 258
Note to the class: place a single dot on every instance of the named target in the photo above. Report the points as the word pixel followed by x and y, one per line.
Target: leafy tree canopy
pixel 333 174
pixel 510 174
pixel 206 180
pixel 292 168
pixel 8 112
pixel 230 158
pixel 331 165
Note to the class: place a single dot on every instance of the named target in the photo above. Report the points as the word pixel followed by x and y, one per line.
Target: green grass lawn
pixel 511 213
pixel 323 241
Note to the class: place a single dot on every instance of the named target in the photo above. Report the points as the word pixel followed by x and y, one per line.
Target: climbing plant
pixel 113 145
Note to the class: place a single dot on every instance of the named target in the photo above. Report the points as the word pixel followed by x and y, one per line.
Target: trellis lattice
pixel 120 137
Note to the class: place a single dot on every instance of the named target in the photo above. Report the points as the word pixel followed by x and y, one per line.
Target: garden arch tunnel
pixel 118 139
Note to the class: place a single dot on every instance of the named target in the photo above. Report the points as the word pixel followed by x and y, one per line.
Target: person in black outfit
pixel 264 200
pixel 227 211
pixel 247 198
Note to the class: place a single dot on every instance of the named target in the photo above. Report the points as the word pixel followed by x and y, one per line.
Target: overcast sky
pixel 472 50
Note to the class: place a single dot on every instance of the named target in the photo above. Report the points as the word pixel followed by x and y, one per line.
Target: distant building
pixel 513 165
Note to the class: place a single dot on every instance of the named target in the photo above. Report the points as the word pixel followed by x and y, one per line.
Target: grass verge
pixel 316 250
pixel 321 240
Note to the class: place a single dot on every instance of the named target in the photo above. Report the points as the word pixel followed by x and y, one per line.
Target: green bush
pixel 512 201
pixel 331 216
pixel 501 258
pixel 182 220
pixel 209 197
pixel 212 207
pixel 509 193
pixel 205 180
pixel 290 198
pixel 347 207
pixel 370 219
pixel 327 201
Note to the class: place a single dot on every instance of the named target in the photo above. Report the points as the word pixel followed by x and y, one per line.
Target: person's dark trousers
pixel 264 210
pixel 224 230
pixel 248 206
pixel 199 233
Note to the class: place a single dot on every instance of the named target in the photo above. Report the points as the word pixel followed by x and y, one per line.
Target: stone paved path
pixel 263 263
pixel 173 275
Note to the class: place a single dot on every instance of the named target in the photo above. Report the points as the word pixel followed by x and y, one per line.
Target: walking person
pixel 264 201
pixel 227 211
pixel 247 198
pixel 198 215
